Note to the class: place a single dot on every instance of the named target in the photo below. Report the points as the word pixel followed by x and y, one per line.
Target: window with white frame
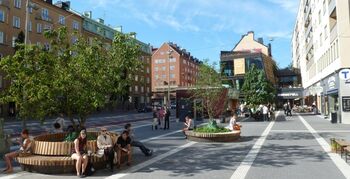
pixel 45 14
pixel 147 80
pixel 156 68
pixel 75 25
pixel 61 20
pixel 147 70
pixel 2 16
pixel 148 90
pixel 163 76
pixel 136 88
pixel 2 37
pixel 47 27
pixel 16 22
pixel 156 77
pixel 14 41
pixel 172 75
pixel 163 68
pixel 142 89
pixel 172 67
pixel 39 28
pixel 17 3
pixel 184 61
pixel 30 26
pixel 325 32
pixel 172 60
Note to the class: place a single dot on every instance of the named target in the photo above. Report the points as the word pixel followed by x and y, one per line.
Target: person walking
pixel 265 110
pixel 166 118
pixel 155 120
pixel 160 116
pixel 289 109
pixel 105 146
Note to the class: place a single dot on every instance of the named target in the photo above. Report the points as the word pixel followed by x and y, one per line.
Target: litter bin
pixel 334 119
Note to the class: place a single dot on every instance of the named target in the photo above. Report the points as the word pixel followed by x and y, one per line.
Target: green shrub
pixel 211 127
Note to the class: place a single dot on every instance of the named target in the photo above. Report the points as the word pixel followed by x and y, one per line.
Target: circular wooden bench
pixel 50 156
pixel 213 137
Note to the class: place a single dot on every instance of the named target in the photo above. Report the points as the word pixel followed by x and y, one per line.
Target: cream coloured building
pixel 320 48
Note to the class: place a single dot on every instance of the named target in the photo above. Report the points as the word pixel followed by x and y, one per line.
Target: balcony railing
pixel 39 16
pixel 334 33
pixel 331 6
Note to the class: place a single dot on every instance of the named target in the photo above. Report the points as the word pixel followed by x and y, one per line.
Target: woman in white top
pixel 25 148
pixel 233 122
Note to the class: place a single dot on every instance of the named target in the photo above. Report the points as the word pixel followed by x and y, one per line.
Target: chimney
pixel 88 14
pixel 270 50
pixel 48 1
pixel 261 40
pixel 100 20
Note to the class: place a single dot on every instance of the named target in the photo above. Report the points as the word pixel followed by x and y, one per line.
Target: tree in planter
pixel 209 89
pixel 257 89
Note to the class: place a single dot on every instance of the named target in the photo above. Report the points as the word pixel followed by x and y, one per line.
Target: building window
pixel 30 26
pixel 172 60
pixel 16 22
pixel 325 32
pixel 184 61
pixel 47 27
pixel 75 25
pixel 163 76
pixel 163 68
pixel 39 28
pixel 147 70
pixel 142 89
pixel 130 89
pixel 2 37
pixel 156 68
pixel 319 17
pixel 47 46
pixel 17 3
pixel 148 90
pixel 2 16
pixel 45 14
pixel 14 41
pixel 321 39
pixel 172 75
pixel 136 88
pixel 147 80
pixel 30 9
pixel 172 67
pixel 156 77
pixel 324 7
pixel 61 20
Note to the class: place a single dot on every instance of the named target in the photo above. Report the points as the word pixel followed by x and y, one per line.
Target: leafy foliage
pixel 211 127
pixel 257 89
pixel 209 89
pixel 73 78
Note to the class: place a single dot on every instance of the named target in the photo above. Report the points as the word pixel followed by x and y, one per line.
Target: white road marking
pixel 337 160
pixel 149 162
pixel 245 165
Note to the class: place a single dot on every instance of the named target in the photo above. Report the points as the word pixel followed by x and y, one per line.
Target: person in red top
pixel 161 114
pixel 80 154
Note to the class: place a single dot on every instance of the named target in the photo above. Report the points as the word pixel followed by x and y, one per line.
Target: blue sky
pixel 203 27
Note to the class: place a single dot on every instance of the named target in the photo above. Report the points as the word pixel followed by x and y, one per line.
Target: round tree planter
pixel 213 137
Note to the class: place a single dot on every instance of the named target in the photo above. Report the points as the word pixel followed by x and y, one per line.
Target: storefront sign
pixel 346 103
pixel 289 95
pixel 331 83
pixel 344 74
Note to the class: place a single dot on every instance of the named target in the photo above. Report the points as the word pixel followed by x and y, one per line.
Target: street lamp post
pixel 169 57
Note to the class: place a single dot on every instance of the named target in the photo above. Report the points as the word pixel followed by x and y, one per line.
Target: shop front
pixel 292 95
pixel 330 97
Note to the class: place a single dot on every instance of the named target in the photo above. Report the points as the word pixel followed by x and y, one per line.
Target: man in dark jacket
pixel 167 118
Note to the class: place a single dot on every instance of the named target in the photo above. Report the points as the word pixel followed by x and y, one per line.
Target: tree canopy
pixel 257 89
pixel 74 76
pixel 209 89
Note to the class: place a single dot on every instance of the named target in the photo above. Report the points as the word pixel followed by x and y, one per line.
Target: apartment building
pixel 235 63
pixel 172 68
pixel 320 49
pixel 44 15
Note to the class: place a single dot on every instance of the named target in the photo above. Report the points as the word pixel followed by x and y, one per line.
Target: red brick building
pixel 172 68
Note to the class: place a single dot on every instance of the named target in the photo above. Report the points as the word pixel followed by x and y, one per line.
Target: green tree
pixel 74 76
pixel 257 89
pixel 209 89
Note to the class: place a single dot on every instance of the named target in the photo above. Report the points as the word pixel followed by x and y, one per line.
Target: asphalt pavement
pixel 290 147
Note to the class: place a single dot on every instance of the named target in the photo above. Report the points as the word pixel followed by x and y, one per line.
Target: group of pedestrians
pixel 161 116
pixel 267 111
pixel 287 109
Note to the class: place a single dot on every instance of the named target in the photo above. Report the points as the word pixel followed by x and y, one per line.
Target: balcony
pixel 5 3
pixel 39 16
pixel 334 33
pixel 331 6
